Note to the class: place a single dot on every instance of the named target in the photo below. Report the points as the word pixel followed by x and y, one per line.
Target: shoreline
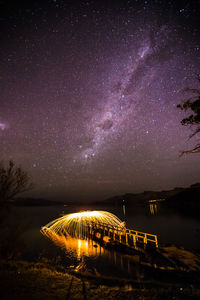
pixel 22 279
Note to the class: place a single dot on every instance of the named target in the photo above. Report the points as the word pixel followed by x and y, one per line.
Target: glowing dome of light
pixel 75 223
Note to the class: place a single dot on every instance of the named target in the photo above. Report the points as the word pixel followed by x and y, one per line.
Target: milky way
pixel 89 93
pixel 124 97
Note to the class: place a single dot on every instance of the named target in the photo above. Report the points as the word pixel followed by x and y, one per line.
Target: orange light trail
pixel 75 223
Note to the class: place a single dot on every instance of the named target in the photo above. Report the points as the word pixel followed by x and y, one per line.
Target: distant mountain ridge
pixel 188 198
pixel 173 198
pixel 191 193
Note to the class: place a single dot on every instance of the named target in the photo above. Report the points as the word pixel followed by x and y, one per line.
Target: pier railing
pixel 143 237
pixel 129 237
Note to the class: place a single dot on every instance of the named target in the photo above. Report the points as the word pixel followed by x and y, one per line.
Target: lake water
pixel 87 255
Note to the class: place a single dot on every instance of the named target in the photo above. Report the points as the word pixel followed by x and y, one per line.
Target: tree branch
pixel 13 181
pixel 194 150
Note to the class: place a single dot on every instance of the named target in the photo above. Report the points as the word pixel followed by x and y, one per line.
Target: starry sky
pixel 89 91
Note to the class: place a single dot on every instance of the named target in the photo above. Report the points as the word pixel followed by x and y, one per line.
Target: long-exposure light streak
pixel 74 224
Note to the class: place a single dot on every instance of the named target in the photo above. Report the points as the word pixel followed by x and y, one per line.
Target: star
pixel 3 126
pixel 90 91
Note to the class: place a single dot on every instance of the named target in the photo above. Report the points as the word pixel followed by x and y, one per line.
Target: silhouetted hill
pixel 141 198
pixel 196 185
pixel 189 196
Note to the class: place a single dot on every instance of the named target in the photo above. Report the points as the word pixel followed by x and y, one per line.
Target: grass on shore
pixel 25 280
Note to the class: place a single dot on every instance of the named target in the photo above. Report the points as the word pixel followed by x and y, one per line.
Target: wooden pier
pixel 129 237
pixel 101 225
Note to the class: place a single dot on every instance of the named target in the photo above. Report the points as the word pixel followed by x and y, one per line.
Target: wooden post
pixel 126 234
pixel 156 241
pixel 134 240
pixel 145 239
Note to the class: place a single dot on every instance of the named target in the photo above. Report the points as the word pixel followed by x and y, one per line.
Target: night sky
pixel 89 91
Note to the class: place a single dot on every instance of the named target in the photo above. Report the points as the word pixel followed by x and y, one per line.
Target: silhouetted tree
pixel 13 181
pixel 193 104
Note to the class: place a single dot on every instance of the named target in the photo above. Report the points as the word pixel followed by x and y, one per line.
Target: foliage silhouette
pixel 13 181
pixel 193 103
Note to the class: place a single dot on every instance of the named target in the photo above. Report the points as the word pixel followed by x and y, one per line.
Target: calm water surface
pixel 88 255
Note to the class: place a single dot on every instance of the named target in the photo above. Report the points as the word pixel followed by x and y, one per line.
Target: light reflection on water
pixel 153 208
pixel 170 228
pixel 93 257
pixel 76 247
